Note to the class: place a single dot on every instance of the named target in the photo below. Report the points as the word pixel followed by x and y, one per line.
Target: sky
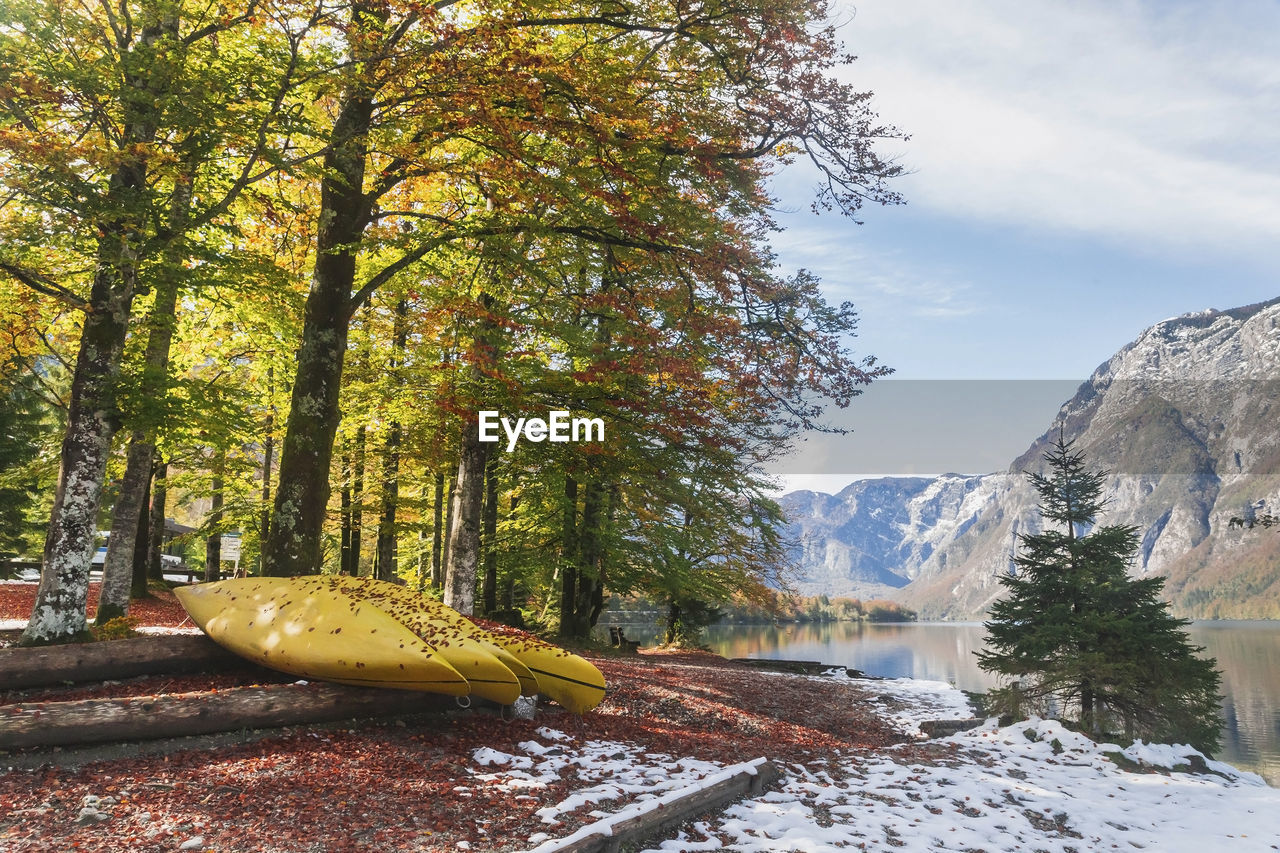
pixel 1077 172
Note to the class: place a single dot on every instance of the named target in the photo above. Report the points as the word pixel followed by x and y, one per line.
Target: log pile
pixel 105 720
pixel 47 666
pixel 86 721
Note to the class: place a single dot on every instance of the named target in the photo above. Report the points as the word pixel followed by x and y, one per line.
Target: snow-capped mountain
pixel 1187 421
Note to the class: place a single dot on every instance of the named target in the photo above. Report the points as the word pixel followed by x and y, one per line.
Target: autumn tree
pixel 529 204
pixel 104 108
pixel 476 104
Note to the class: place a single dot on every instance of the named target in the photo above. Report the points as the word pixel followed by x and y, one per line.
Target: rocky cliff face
pixel 1187 420
pixel 874 536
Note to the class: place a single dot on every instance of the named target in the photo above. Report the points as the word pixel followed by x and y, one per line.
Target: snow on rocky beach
pixel 1031 786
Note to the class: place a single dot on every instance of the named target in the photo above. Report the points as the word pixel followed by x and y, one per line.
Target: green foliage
pixel 783 607
pixel 889 611
pixel 26 471
pixel 586 233
pixel 1077 636
pixel 687 618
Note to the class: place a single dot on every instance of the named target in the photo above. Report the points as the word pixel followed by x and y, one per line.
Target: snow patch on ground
pixel 1031 786
pixel 614 772
pixel 1177 755
pixel 20 624
pixel 908 702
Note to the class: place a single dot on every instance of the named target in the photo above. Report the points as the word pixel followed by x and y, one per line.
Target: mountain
pixel 873 538
pixel 1187 421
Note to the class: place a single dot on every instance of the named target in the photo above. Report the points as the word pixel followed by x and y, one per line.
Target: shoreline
pixel 853 771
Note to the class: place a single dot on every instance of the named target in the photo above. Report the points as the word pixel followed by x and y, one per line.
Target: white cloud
pixel 881 279
pixel 1151 124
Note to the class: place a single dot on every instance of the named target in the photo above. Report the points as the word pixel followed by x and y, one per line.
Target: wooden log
pixel 111 659
pixel 642 821
pixel 796 667
pixel 86 721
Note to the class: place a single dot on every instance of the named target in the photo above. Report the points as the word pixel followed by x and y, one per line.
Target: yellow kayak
pixel 568 679
pixel 305 628
pixel 571 680
pixel 360 630
pixel 435 624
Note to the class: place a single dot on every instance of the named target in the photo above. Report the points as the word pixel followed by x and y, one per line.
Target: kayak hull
pixel 305 629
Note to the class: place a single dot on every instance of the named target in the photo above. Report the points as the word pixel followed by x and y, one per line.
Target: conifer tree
pixel 1077 635
pixel 24 416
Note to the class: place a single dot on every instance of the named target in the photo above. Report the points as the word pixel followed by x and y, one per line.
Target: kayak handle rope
pixel 464 702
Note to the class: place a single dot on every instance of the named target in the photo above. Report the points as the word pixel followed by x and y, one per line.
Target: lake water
pixel 1248 655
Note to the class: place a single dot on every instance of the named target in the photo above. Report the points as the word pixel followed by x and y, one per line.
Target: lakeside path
pixel 856 776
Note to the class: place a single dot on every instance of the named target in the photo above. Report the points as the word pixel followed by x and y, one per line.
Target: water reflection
pixel 1248 655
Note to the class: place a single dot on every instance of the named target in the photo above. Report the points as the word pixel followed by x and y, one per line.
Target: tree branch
pixel 220 26
pixel 42 283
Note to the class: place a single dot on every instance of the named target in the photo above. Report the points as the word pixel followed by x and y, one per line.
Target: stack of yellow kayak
pixel 368 632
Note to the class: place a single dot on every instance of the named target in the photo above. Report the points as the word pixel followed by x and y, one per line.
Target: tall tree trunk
pixel 344 514
pixel 588 598
pixel 386 561
pixel 422 560
pixel 451 509
pixel 357 502
pixel 140 543
pixel 437 533
pixel 1088 717
pixel 602 554
pixel 569 558
pixel 387 565
pixel 673 622
pixel 464 528
pixel 58 614
pixel 117 568
pixel 490 585
pixel 92 414
pixel 213 544
pixel 155 542
pixel 590 586
pixel 268 448
pixel 509 585
pixel 293 544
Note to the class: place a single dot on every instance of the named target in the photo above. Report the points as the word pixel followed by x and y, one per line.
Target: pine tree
pixel 1078 636
pixel 24 417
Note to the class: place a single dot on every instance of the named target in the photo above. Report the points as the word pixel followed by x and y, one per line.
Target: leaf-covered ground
pixel 161 609
pixel 471 780
pixel 416 784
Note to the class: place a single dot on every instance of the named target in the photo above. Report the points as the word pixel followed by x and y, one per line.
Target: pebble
pixel 524 708
pixel 192 843
pixel 93 809
pixel 90 815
